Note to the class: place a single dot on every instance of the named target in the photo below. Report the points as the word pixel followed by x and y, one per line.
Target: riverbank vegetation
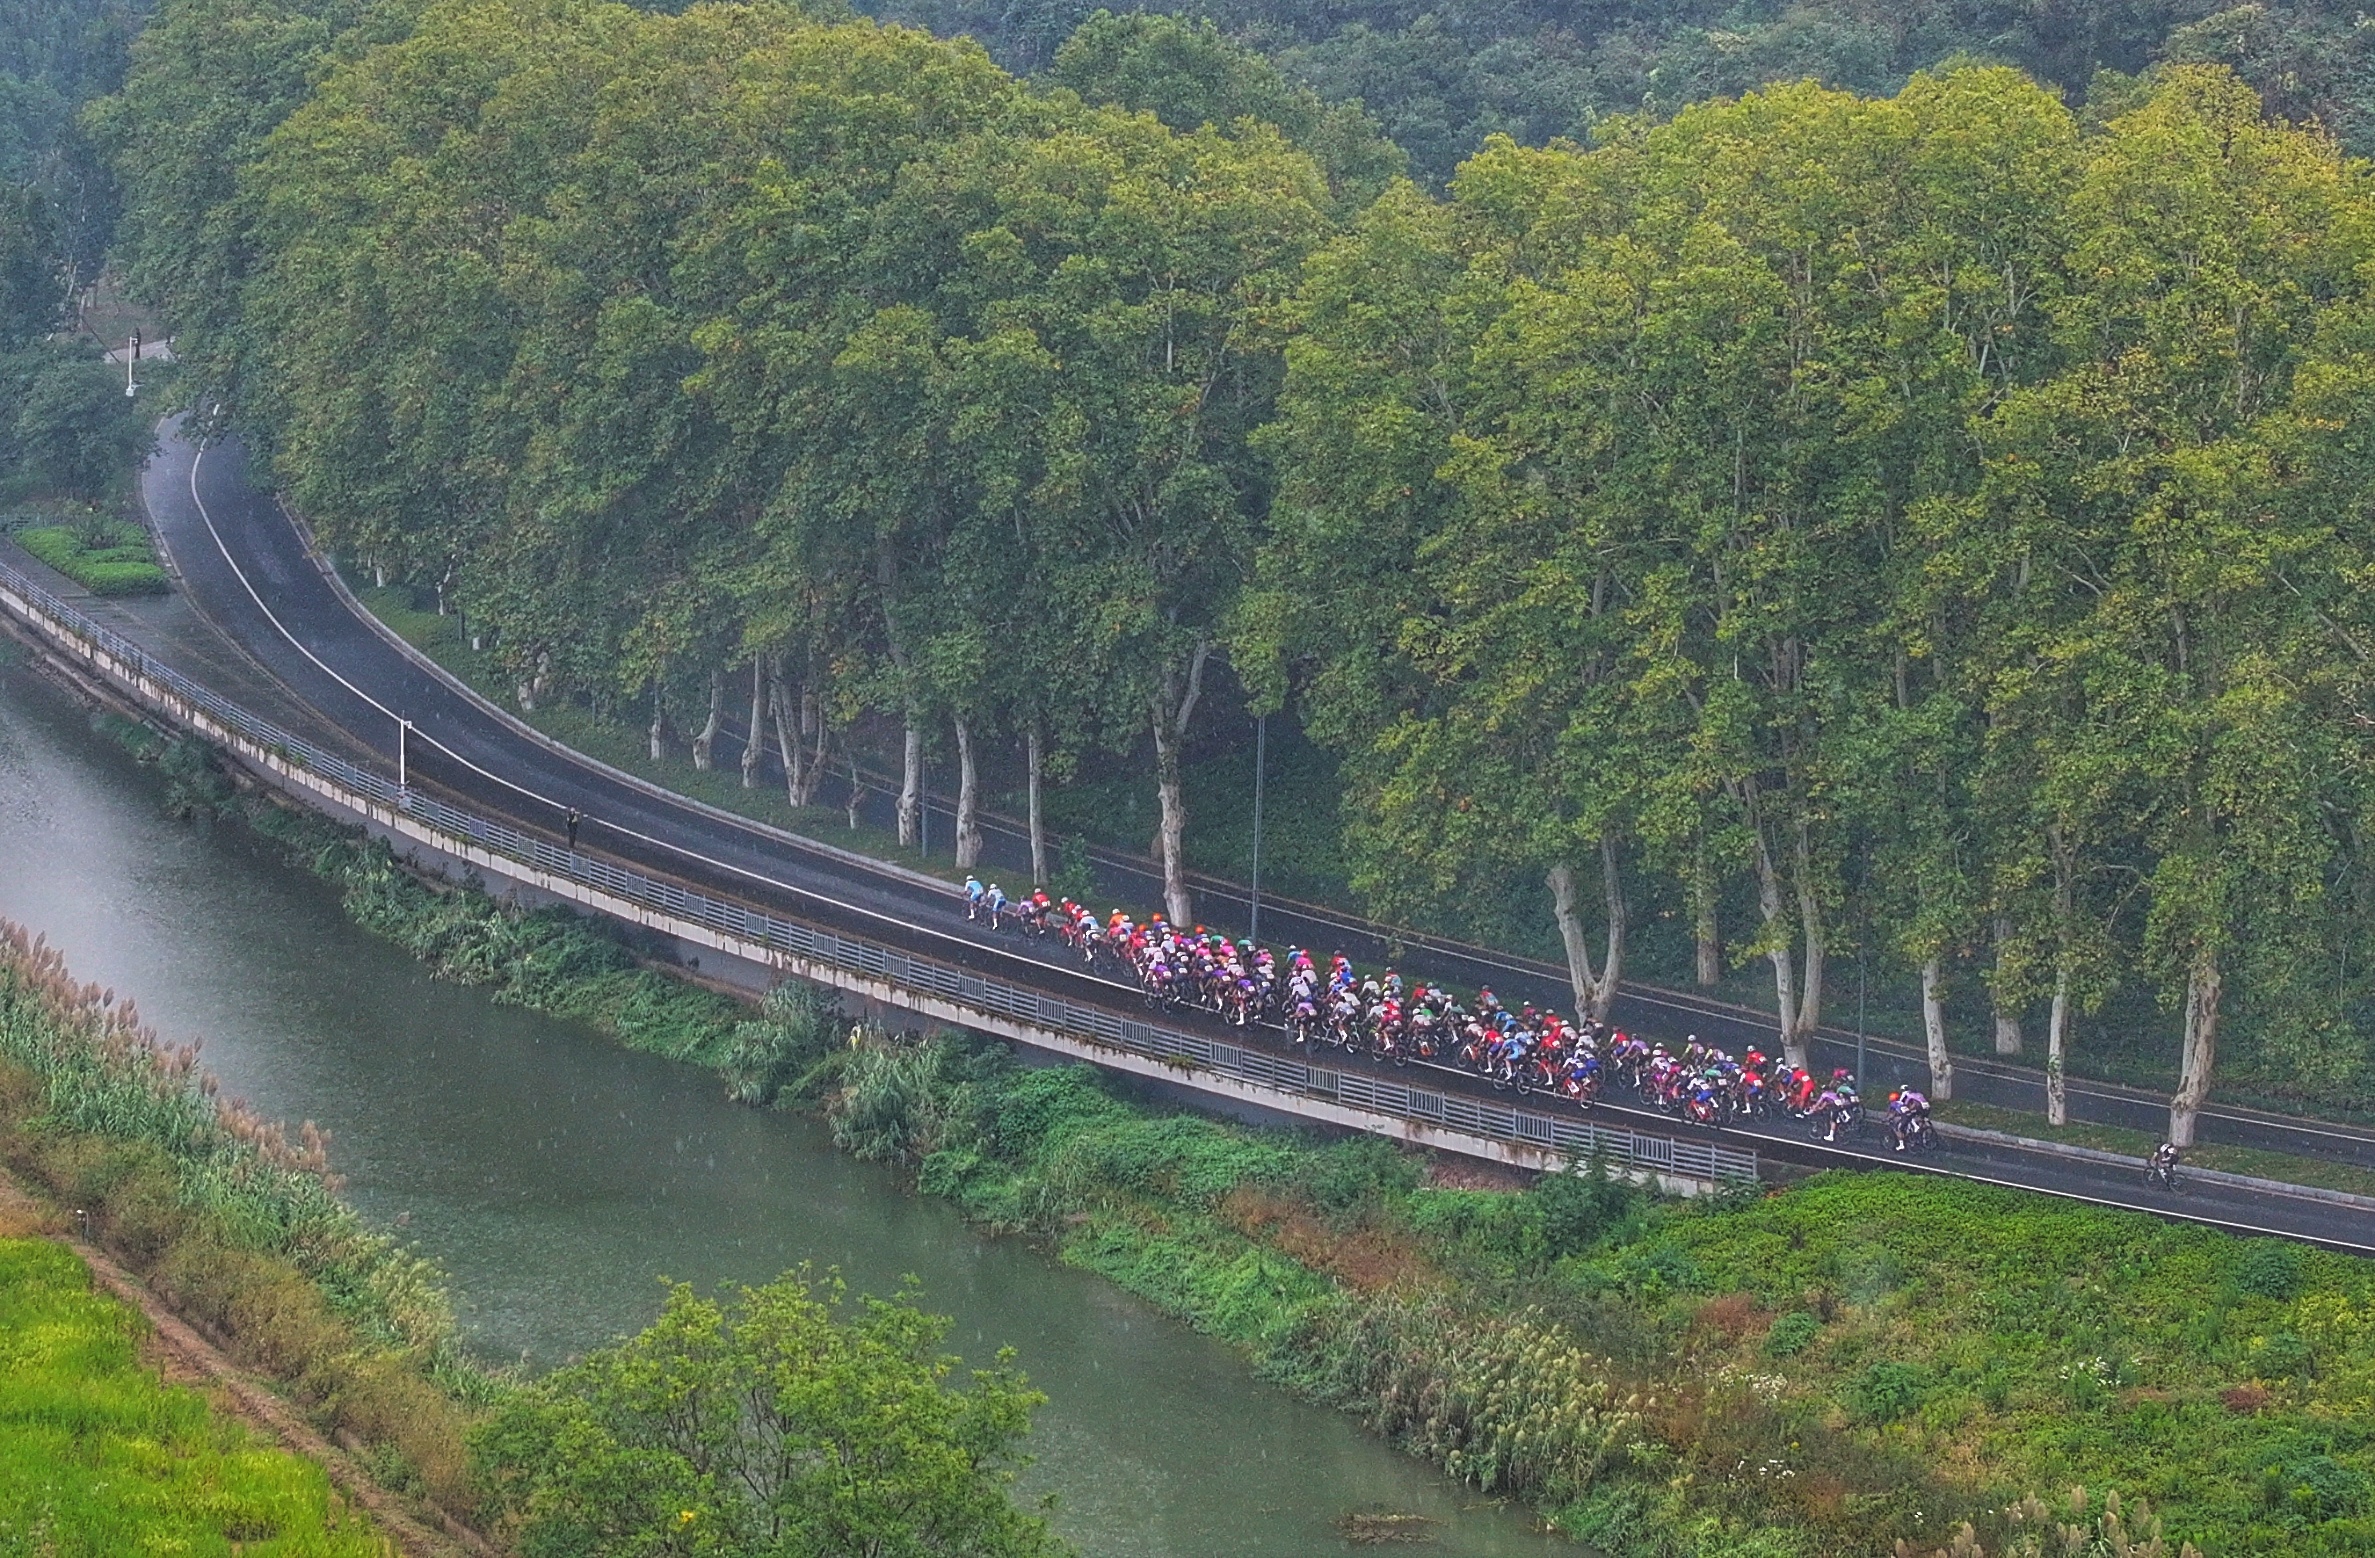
pixel 232 1218
pixel 100 1456
pixel 1808 527
pixel 237 1225
pixel 1824 1370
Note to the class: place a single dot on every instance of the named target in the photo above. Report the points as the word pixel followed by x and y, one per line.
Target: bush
pixel 796 1029
pixel 778 1421
pixel 1792 1334
pixel 2315 1489
pixel 2269 1269
pixel 1888 1391
pixel 113 559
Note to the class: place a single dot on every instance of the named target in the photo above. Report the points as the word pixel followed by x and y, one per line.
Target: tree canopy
pixel 781 1421
pixel 1919 527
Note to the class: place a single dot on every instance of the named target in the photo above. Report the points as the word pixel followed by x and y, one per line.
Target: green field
pixel 98 1456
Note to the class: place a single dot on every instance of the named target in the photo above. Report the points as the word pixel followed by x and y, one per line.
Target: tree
pixel 780 1421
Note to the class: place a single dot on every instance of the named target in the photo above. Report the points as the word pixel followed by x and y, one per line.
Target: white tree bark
pixel 659 722
pixel 1036 763
pixel 2057 1038
pixel 2205 984
pixel 2007 1015
pixel 754 748
pixel 911 786
pixel 705 744
pixel 968 800
pixel 1595 990
pixel 1933 1027
pixel 1172 711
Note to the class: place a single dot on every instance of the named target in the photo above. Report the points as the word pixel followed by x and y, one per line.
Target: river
pixel 557 1178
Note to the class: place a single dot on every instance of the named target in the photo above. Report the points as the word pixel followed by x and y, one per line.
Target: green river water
pixel 557 1178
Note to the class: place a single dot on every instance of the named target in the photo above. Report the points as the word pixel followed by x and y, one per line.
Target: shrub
pixel 1889 1390
pixel 115 562
pixel 778 1421
pixel 2268 1269
pixel 1792 1334
pixel 795 1030
pixel 2315 1488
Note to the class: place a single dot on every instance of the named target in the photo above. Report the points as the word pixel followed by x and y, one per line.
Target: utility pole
pixel 131 357
pixel 1261 756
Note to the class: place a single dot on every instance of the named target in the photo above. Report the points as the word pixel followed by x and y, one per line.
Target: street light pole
pixel 1261 755
pixel 402 777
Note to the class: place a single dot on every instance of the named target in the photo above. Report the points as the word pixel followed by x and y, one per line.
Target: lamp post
pixel 403 779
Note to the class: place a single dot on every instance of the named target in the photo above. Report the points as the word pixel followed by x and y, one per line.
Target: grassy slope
pixel 1820 1370
pixel 100 1457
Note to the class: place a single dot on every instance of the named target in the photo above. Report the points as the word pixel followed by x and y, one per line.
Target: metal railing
pixel 160 686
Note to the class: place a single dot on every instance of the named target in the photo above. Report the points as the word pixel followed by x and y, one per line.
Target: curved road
pixel 247 568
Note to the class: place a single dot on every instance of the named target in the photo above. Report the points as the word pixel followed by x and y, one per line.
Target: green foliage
pixel 116 561
pixel 1187 74
pixel 66 427
pixel 98 1456
pixel 1792 1334
pixel 2269 1269
pixel 773 1056
pixel 1887 1391
pixel 782 1420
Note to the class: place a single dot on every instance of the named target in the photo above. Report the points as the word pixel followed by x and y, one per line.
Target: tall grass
pixel 99 1458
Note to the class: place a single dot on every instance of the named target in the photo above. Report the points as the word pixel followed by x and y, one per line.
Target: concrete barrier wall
pixel 1230 1073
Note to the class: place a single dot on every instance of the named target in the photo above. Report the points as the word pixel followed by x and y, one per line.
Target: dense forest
pixel 1922 524
pixel 1440 79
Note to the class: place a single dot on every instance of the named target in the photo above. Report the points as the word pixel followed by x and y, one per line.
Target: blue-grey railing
pixel 157 684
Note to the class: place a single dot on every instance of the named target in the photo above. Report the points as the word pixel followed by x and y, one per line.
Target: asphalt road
pixel 248 570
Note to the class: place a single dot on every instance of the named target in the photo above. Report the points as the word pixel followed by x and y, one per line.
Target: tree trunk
pixel 1811 928
pixel 911 786
pixel 1785 964
pixel 2007 1012
pixel 705 744
pixel 2057 1038
pixel 1933 1027
pixel 812 721
pixel 787 745
pixel 659 722
pixel 1595 992
pixel 1580 976
pixel 2057 1026
pixel 2204 984
pixel 1173 709
pixel 1703 922
pixel 968 800
pixel 1171 830
pixel 1036 761
pixel 754 747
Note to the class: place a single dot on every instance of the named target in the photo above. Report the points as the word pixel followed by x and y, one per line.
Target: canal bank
pixel 557 1176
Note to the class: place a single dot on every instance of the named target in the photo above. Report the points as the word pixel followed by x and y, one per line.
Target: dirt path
pixel 189 1358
